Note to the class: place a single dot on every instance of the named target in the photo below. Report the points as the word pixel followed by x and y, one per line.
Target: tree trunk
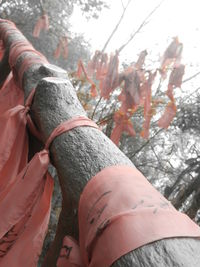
pixel 80 154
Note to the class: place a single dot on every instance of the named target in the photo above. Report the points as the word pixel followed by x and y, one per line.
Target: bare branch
pixel 117 26
pixel 192 94
pixel 191 77
pixel 146 164
pixel 122 4
pixel 96 107
pixel 146 143
pixel 145 21
pixel 159 161
pixel 41 5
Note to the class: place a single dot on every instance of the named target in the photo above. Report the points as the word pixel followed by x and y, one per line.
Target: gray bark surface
pixel 80 154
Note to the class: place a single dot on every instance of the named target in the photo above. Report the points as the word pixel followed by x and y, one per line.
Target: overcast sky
pixel 174 18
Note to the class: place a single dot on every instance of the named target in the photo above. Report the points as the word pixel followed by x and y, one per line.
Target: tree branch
pixel 145 21
pixel 116 27
pixel 41 5
pixel 122 4
pixel 145 144
pixel 96 107
pixel 191 77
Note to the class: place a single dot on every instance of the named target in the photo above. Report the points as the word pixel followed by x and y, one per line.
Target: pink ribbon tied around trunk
pixel 120 211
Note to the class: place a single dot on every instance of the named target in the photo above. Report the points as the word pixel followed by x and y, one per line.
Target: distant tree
pixel 26 14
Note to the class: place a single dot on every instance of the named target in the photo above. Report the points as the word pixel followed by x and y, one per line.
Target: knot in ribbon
pixel 28 193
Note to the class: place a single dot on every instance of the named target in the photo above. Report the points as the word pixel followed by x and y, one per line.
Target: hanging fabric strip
pixel 10 95
pixel 22 225
pixel 13 143
pixel 6 31
pixel 14 118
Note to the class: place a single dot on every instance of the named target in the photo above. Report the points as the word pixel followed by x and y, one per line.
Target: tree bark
pixel 80 154
pixel 4 67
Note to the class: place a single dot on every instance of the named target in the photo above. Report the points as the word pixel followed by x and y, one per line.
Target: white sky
pixel 174 18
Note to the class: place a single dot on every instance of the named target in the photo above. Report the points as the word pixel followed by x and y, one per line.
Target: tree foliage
pixel 32 17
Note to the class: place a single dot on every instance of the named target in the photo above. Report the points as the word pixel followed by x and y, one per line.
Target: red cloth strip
pixel 119 211
pixel 30 123
pixel 10 95
pixel 69 125
pixel 20 47
pixel 6 31
pixel 27 64
pixel 16 50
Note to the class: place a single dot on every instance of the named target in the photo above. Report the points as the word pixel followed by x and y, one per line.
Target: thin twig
pixel 145 21
pixel 159 86
pixel 191 77
pixel 159 161
pixel 122 4
pixel 116 27
pixel 105 119
pixel 103 109
pixel 182 101
pixel 146 143
pixel 188 96
pixel 154 167
pixel 41 6
pixel 96 107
